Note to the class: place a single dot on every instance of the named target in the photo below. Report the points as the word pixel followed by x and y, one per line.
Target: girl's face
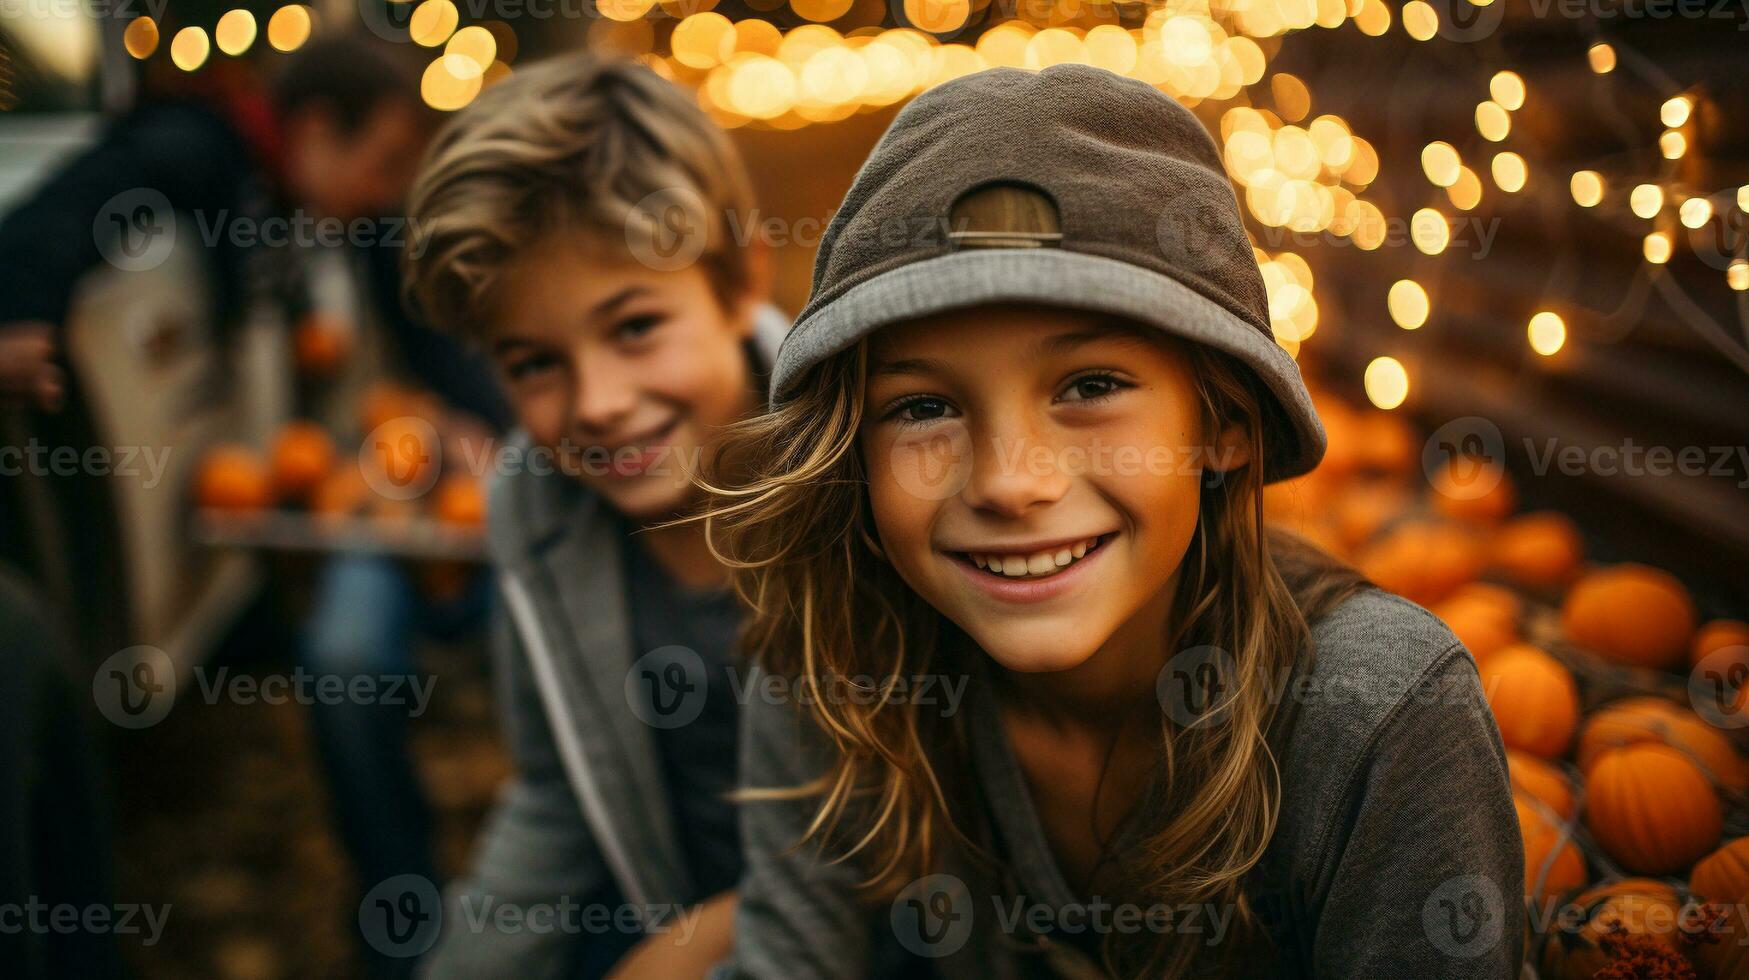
pixel 1034 473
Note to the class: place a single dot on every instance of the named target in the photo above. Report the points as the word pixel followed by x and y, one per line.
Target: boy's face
pixel 358 174
pixel 1046 444
pixel 625 372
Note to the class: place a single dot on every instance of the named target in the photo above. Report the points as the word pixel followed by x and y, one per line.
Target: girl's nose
pixel 1014 471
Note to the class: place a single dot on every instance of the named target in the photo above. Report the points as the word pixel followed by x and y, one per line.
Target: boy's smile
pixel 1035 474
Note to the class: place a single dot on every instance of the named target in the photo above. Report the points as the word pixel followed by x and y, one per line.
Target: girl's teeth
pixel 1045 562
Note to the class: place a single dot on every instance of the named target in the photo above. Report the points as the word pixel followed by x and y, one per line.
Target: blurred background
pixel 1507 241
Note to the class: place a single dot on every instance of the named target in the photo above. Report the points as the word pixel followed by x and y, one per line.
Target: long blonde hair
pixel 790 516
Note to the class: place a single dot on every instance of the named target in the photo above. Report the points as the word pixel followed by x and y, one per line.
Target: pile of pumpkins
pixel 303 471
pixel 1624 716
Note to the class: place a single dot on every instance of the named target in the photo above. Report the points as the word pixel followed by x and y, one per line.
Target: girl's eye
pixel 1092 388
pixel 530 367
pixel 921 410
pixel 636 327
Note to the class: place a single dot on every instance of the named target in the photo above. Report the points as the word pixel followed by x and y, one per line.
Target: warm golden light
pixel 1420 20
pixel 1695 212
pixel 1429 230
pixel 234 32
pixel 1587 187
pixel 1675 112
pixel 189 48
pixel 1548 334
pixel 432 22
pixel 141 37
pixel 289 27
pixel 1507 88
pixel 1492 121
pixel 1387 383
pixel 1673 144
pixel 1737 276
pixel 1646 200
pixel 1657 248
pixel 1408 304
pixel 1602 58
pixel 1510 172
pixel 1439 160
pixel 1466 191
pixel 450 82
pixel 475 44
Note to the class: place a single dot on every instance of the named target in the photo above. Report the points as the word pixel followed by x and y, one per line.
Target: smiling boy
pixel 545 212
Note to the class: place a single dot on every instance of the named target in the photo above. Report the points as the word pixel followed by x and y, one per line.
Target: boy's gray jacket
pixel 587 806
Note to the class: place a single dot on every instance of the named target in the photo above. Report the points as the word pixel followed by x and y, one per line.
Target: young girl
pixel 1017 450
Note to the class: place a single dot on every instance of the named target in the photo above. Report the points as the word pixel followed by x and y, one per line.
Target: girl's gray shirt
pixel 1397 853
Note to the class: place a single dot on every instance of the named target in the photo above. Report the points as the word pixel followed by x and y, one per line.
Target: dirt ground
pixel 220 812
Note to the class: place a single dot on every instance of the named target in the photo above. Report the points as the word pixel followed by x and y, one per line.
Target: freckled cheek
pixel 902 519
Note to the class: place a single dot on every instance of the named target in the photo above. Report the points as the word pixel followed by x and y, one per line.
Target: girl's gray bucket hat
pixel 1150 229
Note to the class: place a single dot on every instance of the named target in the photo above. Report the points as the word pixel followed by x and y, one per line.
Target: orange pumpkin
pixel 1652 719
pixel 1363 509
pixel 320 344
pixel 342 493
pixel 1423 561
pixel 1542 781
pixel 1637 906
pixel 1538 551
pixel 1386 442
pixel 1651 808
pixel 459 500
pixel 1458 491
pixel 1478 624
pixel 302 456
pixel 1535 701
pixel 385 401
pixel 233 477
pixel 1553 864
pixel 1631 613
pixel 1723 875
pixel 1720 634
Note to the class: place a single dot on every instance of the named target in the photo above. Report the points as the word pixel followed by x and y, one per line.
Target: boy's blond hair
pixel 577 145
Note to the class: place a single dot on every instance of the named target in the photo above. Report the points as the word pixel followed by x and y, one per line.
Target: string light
pixel 1510 172
pixel 1695 212
pixel 1492 121
pixel 189 48
pixel 1673 144
pixel 1675 112
pixel 1645 200
pixel 1547 332
pixel 141 37
pixel 1386 382
pixel 1408 304
pixel 1657 248
pixel 235 32
pixel 1602 58
pixel 1439 160
pixel 1587 187
pixel 1507 88
pixel 1737 276
pixel 1429 230
pixel 289 27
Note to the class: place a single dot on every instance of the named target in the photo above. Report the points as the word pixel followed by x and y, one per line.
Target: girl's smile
pixel 1031 573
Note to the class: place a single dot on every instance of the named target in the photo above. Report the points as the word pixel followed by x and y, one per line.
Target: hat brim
pixel 1055 277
